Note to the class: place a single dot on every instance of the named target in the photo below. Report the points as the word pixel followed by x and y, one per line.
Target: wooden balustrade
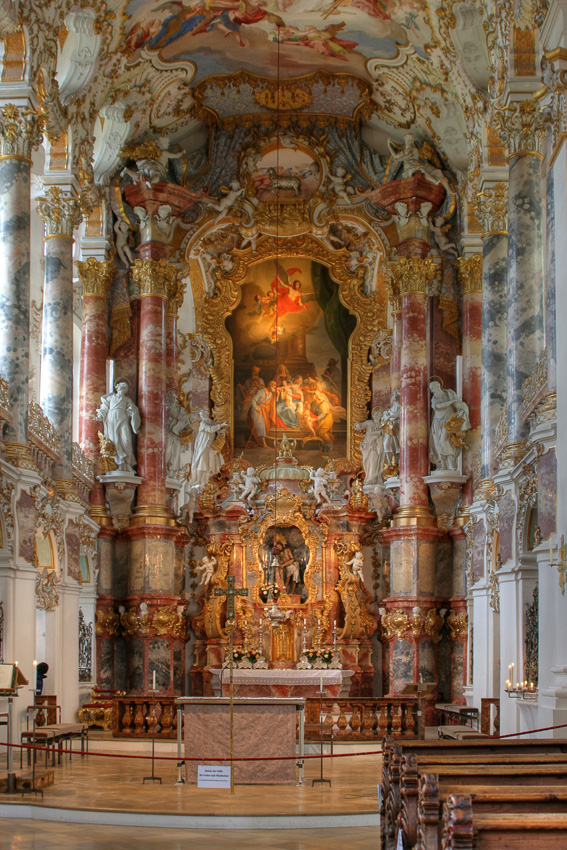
pixel 486 725
pixel 134 718
pixel 398 717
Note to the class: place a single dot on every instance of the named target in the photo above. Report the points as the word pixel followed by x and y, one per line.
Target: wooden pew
pixel 487 799
pixel 455 759
pixel 465 829
pixel 492 771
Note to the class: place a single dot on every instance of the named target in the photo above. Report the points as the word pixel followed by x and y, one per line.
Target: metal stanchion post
pixel 301 761
pixel 321 780
pixel 153 777
pixel 180 762
pixel 11 784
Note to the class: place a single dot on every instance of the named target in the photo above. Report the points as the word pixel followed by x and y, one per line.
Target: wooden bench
pixel 466 829
pixel 57 737
pixel 457 759
pixel 427 833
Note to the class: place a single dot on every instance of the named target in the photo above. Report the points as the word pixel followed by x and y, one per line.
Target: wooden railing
pixel 133 717
pixel 363 718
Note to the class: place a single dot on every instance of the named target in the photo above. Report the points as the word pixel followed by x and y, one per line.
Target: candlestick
pixel 154 681
pixel 321 682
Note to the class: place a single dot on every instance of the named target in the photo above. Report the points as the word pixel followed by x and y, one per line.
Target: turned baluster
pixel 139 718
pixel 368 718
pixel 409 720
pixel 355 720
pixel 396 720
pixel 126 718
pixel 383 718
pixel 342 722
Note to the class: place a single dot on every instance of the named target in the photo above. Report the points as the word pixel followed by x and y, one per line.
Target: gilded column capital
pixel 470 273
pixel 492 206
pixel 60 212
pixel 412 274
pixel 20 131
pixel 96 276
pixel 521 126
pixel 154 277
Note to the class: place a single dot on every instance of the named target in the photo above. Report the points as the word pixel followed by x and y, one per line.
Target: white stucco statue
pixel 152 160
pixel 390 423
pixel 408 154
pixel 338 181
pixel 224 204
pixel 320 481
pixel 206 568
pixel 176 420
pixel 250 483
pixel 356 564
pixel 449 423
pixel 121 419
pixel 207 460
pixel 372 448
pixel 121 242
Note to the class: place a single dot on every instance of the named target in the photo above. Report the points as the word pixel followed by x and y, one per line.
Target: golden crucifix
pixel 231 592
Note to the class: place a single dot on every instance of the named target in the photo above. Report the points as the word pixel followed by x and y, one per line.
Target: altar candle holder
pixel 304 637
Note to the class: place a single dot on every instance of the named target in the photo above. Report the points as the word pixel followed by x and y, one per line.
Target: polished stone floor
pixel 103 784
pixel 40 835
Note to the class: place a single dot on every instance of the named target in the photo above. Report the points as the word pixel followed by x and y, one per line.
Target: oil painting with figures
pixel 300 386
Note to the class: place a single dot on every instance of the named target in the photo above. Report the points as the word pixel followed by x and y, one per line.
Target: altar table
pixel 282 683
pixel 262 727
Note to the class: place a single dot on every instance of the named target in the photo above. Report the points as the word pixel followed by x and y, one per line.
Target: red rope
pixel 530 732
pixel 190 758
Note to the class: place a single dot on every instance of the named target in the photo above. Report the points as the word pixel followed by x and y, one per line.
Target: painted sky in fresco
pixel 224 36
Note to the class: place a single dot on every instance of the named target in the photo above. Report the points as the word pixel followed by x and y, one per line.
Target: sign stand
pixel 11 678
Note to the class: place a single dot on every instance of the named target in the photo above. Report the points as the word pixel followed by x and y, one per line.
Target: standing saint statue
pixel 176 421
pixel 390 423
pixel 207 459
pixel 372 448
pixel 449 423
pixel 121 420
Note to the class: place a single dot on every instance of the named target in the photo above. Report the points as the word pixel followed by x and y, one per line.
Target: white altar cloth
pixel 288 678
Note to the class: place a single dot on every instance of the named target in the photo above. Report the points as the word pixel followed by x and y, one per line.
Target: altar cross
pixel 230 591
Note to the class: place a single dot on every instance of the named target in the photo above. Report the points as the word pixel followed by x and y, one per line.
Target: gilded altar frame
pixel 369 310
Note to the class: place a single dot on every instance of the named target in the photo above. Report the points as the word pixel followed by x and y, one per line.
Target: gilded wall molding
pixel 368 310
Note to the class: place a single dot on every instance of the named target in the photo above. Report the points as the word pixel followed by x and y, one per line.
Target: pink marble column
pixel 173 305
pixel 96 278
pixel 396 345
pixel 155 279
pixel 413 276
pixel 470 275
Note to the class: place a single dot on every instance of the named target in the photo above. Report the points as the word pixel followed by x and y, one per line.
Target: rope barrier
pixel 30 747
pixel 529 732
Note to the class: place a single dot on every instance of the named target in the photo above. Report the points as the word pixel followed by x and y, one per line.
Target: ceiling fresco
pixel 224 36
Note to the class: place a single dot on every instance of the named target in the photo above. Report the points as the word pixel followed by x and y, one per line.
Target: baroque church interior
pixel 278 356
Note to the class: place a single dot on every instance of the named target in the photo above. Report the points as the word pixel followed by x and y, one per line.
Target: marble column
pixel 174 303
pixel 60 213
pixel 493 211
pixel 19 135
pixel 96 278
pixel 156 279
pixel 396 344
pixel 413 276
pixel 521 130
pixel 470 276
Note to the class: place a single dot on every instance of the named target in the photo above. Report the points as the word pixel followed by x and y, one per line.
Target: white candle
pixel 550 550
pixel 154 681
pixel 334 624
pixel 305 621
pixel 321 681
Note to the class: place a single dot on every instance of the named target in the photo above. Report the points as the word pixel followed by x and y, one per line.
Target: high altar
pixel 298 429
